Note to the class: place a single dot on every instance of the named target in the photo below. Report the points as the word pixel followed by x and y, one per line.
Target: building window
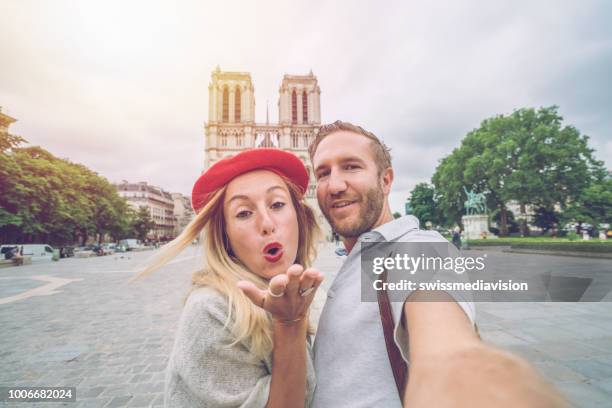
pixel 294 141
pixel 304 107
pixel 305 140
pixel 239 140
pixel 225 104
pixel 223 140
pixel 294 107
pixel 237 106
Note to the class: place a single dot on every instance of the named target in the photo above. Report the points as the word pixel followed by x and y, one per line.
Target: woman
pixel 238 345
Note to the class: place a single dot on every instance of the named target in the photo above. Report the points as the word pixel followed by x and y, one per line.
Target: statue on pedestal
pixel 476 203
pixel 476 220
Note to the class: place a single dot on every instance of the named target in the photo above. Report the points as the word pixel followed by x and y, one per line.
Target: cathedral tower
pixel 231 125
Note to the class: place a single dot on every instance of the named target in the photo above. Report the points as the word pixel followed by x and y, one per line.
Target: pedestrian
pixel 456 239
pixel 17 256
pixel 243 339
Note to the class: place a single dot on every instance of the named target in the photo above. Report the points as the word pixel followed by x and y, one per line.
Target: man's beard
pixel 369 212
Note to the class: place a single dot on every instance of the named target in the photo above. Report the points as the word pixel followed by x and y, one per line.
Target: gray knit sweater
pixel 203 371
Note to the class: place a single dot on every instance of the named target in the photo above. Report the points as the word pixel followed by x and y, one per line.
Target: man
pixel 448 364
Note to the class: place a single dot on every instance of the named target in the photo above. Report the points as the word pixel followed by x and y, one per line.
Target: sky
pixel 122 86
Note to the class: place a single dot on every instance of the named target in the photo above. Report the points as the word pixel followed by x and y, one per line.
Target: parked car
pixel 84 252
pixel 120 248
pixel 109 248
pixel 97 249
pixel 66 252
pixel 7 251
pixel 131 244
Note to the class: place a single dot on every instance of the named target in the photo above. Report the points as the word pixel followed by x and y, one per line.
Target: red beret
pixel 222 172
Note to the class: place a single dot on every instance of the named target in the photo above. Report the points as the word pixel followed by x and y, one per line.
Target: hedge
pixel 547 244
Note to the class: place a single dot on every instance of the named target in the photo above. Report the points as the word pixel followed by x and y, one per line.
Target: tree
pixel 422 201
pixel 545 218
pixel 527 156
pixel 142 223
pixel 511 224
pixel 593 206
pixel 44 198
pixel 8 141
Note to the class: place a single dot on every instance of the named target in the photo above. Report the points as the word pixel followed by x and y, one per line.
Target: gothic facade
pixel 231 125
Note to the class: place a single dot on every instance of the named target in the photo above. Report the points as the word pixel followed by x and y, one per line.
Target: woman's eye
pixel 243 214
pixel 322 174
pixel 278 204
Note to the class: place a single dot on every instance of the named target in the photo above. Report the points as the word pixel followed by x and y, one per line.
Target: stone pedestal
pixel 475 225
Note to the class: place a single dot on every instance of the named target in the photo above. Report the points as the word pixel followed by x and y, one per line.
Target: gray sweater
pixel 203 371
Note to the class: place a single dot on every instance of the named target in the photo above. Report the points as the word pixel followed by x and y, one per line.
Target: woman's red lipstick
pixel 273 252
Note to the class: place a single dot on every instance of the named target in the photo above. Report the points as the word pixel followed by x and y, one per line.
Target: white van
pixel 38 252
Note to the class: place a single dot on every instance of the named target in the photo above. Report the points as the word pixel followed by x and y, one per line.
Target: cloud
pixel 122 87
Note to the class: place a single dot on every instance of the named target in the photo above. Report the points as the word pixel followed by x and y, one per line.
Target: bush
pixel 572 236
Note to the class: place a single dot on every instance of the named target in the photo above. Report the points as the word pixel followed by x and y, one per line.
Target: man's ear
pixel 386 180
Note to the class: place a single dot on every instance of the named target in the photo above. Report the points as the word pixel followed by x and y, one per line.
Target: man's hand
pixel 451 367
pixel 289 295
pixel 478 376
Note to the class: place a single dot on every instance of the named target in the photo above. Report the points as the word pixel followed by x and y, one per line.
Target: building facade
pixel 183 213
pixel 231 125
pixel 159 203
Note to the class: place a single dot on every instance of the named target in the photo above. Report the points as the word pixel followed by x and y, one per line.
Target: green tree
pixel 8 141
pixel 422 200
pixel 123 229
pixel 142 223
pixel 593 206
pixel 527 156
pixel 545 218
pixel 44 198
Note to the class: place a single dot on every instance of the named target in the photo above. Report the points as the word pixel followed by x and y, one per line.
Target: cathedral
pixel 231 125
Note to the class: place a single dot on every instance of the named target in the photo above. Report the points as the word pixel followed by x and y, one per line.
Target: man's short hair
pixel 380 151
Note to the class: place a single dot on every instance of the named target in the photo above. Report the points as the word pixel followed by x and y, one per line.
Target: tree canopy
pixel 52 200
pixel 527 156
pixel 423 204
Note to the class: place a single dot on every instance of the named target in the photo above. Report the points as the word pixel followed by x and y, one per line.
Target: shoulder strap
pixel 398 365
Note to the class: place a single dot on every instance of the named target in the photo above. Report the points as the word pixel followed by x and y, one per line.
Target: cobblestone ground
pixel 78 322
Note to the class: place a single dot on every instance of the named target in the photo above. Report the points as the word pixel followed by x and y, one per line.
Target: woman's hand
pixel 289 295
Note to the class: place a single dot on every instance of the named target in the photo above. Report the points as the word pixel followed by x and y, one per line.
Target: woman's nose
pixel 266 223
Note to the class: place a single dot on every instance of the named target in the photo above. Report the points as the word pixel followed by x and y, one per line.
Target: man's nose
pixel 336 183
pixel 266 223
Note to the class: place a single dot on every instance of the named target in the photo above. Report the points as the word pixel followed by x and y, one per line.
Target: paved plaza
pixel 78 322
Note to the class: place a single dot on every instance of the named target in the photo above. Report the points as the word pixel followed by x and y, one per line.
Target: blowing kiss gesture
pixel 289 294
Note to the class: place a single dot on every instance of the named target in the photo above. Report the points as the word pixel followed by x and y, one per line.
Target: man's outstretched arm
pixel 451 367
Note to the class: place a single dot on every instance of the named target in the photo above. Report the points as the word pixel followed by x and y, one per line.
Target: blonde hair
pixel 222 270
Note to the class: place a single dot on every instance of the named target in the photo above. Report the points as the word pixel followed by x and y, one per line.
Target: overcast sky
pixel 122 86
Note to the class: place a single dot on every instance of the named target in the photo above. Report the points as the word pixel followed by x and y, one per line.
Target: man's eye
pixel 278 204
pixel 243 214
pixel 351 167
